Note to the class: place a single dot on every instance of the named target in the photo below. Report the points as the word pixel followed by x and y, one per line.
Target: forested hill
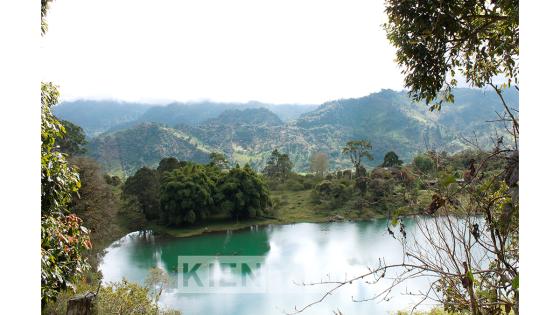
pixel 249 116
pixel 97 117
pixel 389 119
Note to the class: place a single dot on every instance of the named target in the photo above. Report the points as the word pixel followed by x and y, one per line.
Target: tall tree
pixel 74 140
pixel 96 204
pixel 168 164
pixel 144 185
pixel 243 193
pixel 219 160
pixel 278 165
pixel 186 195
pixel 319 163
pixel 473 260
pixel 391 159
pixel 357 150
pixel 63 239
pixel 438 40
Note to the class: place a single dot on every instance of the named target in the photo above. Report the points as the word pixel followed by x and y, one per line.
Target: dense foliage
pixel 389 119
pixel 243 193
pixel 278 165
pixel 186 195
pixel 97 204
pixel 145 186
pixel 123 297
pixel 391 159
pixel 183 193
pixel 63 237
pixel 477 39
pixel 74 140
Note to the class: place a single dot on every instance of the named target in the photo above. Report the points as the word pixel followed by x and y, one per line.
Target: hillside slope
pixel 123 152
pixel 389 119
pixel 96 117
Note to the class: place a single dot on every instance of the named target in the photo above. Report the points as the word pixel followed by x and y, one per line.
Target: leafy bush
pixel 63 239
pixel 186 195
pixel 333 193
pixel 423 163
pixel 243 193
pixel 123 297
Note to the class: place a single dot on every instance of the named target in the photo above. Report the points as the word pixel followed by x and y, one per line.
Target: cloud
pixel 273 51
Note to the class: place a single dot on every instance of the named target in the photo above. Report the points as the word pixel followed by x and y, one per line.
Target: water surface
pixel 291 254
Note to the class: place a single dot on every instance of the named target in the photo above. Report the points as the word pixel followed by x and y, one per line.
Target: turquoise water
pixel 289 255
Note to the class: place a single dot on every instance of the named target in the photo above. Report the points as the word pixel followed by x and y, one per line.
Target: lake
pixel 272 262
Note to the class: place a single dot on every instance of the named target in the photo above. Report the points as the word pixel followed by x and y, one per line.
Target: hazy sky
pixel 283 51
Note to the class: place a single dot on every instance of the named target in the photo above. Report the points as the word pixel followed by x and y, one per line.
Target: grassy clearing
pixel 294 207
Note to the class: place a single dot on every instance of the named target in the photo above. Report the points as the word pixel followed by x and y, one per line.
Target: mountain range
pixel 127 136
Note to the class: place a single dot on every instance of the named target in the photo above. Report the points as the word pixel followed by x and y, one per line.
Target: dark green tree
pixel 168 164
pixel 357 150
pixel 423 163
pixel 271 168
pixel 219 160
pixel 391 159
pixel 144 185
pixel 284 166
pixel 438 40
pixel 242 193
pixel 74 140
pixel 186 195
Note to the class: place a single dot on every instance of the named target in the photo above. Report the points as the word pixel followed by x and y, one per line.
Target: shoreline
pixel 198 231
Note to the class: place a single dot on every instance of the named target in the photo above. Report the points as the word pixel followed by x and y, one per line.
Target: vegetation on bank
pixel 73 214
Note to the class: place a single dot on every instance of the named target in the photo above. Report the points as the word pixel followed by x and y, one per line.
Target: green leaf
pixel 448 180
pixel 470 275
pixel 515 283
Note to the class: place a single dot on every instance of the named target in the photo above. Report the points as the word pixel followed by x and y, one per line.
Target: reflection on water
pixel 293 254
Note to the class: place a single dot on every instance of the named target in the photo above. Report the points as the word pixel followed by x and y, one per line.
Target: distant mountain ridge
pixel 248 116
pixel 389 119
pixel 109 116
pixel 96 117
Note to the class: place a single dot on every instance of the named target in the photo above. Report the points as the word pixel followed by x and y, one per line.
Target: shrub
pixel 423 163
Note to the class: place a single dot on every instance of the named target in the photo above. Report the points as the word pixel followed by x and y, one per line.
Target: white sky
pixel 283 51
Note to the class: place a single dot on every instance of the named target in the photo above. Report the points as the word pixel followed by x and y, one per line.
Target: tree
pixel 437 40
pixel 319 163
pixel 74 140
pixel 284 165
pixel 186 195
pixel 96 204
pixel 423 163
pixel 278 165
pixel 243 193
pixel 219 160
pixel 144 185
pixel 473 259
pixel 63 238
pixel 391 159
pixel 168 164
pixel 357 150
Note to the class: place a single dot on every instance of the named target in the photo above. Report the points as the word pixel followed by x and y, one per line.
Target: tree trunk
pixel 81 304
